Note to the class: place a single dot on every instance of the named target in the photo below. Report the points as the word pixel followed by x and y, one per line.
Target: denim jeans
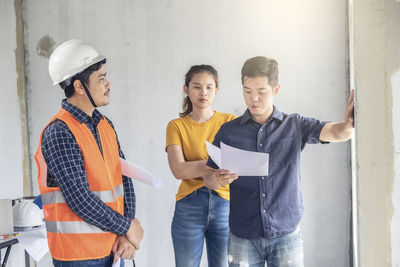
pixel 283 251
pixel 103 262
pixel 201 215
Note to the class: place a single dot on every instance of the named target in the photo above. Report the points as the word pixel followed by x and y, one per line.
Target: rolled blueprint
pixel 136 172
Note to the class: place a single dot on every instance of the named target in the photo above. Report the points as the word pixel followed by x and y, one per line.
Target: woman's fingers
pixel 225 177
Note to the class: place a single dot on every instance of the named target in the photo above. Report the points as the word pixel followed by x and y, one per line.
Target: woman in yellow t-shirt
pixel 202 205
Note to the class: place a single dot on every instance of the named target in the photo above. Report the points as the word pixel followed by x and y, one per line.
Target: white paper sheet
pixel 239 161
pixel 34 242
pixel 215 153
pixel 117 264
pixel 132 170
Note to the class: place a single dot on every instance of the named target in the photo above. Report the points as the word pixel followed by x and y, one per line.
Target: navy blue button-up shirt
pixel 268 206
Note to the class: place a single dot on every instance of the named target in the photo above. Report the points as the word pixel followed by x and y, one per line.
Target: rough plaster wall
pixel 10 127
pixel 395 229
pixel 393 73
pixel 151 44
pixel 377 56
pixel 11 161
pixel 393 77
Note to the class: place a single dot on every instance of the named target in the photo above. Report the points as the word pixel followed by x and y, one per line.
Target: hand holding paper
pixel 239 161
pixel 225 177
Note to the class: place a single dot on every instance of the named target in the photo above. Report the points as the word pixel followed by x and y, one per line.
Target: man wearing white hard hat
pixel 89 206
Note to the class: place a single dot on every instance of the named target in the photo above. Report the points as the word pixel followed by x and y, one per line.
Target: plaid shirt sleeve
pixel 129 190
pixel 65 163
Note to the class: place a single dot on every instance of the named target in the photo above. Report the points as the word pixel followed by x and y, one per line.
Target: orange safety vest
pixel 69 236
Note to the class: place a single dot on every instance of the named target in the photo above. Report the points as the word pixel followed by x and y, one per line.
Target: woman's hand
pixel 214 179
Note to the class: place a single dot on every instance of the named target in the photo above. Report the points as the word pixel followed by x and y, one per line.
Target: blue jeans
pixel 103 262
pixel 283 251
pixel 202 214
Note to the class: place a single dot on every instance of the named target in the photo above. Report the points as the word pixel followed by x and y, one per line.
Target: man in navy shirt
pixel 265 210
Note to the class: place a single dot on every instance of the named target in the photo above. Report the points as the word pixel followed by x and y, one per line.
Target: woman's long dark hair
pixel 187 106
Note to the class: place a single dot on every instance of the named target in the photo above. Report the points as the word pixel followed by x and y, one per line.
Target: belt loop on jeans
pixel 204 189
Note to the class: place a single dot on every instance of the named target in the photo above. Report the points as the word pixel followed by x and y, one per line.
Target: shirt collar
pixel 276 114
pixel 79 115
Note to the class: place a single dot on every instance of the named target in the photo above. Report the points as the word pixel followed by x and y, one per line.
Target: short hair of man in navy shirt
pixel 265 210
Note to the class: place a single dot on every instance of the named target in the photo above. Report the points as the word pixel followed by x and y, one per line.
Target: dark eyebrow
pixel 103 74
pixel 261 88
pixel 208 84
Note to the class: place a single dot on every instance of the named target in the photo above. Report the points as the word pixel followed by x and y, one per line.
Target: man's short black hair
pixel 261 66
pixel 68 85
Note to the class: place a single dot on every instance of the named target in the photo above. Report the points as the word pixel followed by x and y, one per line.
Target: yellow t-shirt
pixel 191 136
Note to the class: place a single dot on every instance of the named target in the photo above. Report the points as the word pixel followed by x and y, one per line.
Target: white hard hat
pixel 70 58
pixel 27 214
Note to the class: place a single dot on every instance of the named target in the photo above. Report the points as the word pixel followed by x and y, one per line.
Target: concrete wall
pixel 12 159
pixel 392 9
pixel 151 44
pixel 376 63
pixel 10 126
pixel 394 226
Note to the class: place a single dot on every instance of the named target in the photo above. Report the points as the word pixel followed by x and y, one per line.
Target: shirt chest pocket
pixel 284 151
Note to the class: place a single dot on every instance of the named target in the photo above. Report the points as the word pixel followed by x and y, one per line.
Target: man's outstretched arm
pixel 340 131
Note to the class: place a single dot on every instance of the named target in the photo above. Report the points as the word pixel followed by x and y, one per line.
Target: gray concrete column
pixel 375 56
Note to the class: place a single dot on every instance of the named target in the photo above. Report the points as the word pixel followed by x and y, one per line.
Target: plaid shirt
pixel 66 170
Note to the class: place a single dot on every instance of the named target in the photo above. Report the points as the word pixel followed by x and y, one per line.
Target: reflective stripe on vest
pixel 77 227
pixel 105 196
pixel 69 237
